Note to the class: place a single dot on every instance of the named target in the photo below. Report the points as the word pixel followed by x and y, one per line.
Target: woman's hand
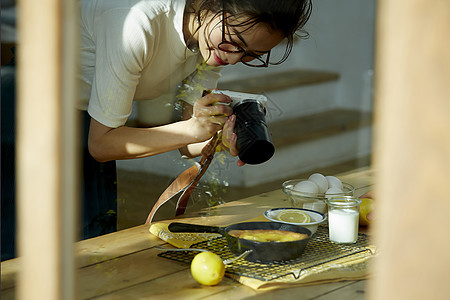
pixel 229 138
pixel 210 113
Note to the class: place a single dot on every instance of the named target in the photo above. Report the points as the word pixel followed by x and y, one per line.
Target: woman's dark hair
pixel 289 16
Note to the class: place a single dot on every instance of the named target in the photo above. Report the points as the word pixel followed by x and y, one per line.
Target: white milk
pixel 343 225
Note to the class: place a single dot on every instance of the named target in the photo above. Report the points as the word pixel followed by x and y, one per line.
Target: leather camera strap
pixel 183 186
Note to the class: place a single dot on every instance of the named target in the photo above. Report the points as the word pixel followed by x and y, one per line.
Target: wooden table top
pixel 125 265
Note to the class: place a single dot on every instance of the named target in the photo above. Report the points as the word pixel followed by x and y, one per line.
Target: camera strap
pixel 183 186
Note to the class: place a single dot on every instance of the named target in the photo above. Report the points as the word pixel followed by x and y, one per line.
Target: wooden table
pixel 125 265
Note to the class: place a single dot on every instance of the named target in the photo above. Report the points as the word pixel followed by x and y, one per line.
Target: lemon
pixel 207 268
pixel 293 216
pixel 366 206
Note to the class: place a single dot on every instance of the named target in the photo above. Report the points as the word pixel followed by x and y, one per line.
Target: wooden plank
pixel 111 246
pixel 412 150
pixel 274 81
pixel 351 291
pixel 298 293
pixel 10 269
pixel 9 273
pixel 180 285
pixel 46 148
pixel 95 253
pixel 69 150
pixel 130 270
pixel 46 234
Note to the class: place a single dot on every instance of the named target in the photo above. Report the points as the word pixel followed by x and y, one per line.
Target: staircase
pixel 309 130
pixel 276 81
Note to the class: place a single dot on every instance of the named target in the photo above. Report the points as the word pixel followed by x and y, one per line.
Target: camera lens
pixel 254 141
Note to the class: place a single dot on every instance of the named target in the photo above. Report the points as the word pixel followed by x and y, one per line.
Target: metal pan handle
pixel 184 227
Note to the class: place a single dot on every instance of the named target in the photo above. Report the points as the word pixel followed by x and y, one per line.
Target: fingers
pixel 211 112
pixel 220 110
pixel 212 99
pixel 229 138
pixel 212 105
pixel 240 163
pixel 218 120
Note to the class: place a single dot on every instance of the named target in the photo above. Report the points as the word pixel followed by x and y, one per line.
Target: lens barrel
pixel 254 141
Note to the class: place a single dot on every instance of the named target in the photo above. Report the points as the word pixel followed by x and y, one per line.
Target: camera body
pixel 238 97
pixel 254 141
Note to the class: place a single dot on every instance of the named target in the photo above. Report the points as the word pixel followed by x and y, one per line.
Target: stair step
pixel 275 81
pixel 316 126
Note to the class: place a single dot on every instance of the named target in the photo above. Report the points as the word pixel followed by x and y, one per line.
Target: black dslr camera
pixel 254 141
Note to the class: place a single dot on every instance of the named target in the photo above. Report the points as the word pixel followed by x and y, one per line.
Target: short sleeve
pixel 122 38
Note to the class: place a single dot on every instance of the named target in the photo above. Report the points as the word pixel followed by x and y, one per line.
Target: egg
pixel 320 181
pixel 333 191
pixel 334 182
pixel 307 186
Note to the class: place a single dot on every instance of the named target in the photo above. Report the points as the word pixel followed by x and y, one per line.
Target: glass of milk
pixel 343 219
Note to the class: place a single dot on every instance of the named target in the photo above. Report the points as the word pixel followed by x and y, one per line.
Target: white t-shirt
pixel 135 50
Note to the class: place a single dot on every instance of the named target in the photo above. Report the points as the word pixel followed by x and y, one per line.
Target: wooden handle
pixel 185 227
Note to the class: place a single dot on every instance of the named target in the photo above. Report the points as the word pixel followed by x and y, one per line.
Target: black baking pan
pixel 264 252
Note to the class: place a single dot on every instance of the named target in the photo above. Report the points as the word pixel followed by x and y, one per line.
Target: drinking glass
pixel 343 219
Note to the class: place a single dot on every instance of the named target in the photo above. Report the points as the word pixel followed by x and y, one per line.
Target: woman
pixel 141 49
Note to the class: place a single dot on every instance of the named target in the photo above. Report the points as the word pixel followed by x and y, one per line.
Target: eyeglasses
pixel 248 59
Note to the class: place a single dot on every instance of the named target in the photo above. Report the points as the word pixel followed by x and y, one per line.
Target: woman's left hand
pixel 229 138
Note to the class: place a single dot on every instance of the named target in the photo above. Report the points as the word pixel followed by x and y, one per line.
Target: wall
pixel 341 40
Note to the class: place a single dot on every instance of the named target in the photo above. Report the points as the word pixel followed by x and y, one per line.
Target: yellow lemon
pixel 293 216
pixel 207 268
pixel 366 206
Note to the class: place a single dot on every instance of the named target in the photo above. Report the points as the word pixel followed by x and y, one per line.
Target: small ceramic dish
pixel 316 217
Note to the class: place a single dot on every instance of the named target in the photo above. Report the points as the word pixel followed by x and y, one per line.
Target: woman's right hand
pixel 210 113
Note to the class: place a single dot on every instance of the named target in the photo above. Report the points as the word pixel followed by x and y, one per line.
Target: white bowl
pixel 316 217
